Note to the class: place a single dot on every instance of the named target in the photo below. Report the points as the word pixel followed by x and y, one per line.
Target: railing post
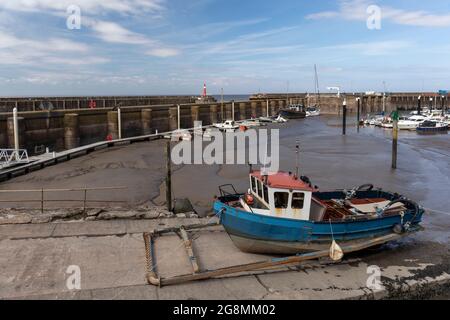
pixel 119 123
pixel 358 117
pixel 344 117
pixel 42 200
pixel 168 177
pixel 85 200
pixel 16 130
pixel 395 140
pixel 232 109
pixel 179 116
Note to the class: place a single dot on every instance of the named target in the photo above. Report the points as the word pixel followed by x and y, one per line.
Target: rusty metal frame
pixel 154 279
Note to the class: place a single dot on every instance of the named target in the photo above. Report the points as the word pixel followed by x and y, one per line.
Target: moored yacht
pixel 296 111
pixel 410 123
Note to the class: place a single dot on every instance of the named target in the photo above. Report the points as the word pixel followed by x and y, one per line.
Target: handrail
pixel 42 199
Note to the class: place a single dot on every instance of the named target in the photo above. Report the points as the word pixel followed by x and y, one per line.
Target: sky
pixel 159 47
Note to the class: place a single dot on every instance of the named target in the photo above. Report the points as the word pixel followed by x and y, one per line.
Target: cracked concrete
pixel 111 257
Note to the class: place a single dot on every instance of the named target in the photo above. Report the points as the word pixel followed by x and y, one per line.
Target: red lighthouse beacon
pixel 204 90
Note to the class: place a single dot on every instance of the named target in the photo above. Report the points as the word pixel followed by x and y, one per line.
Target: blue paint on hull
pixel 259 227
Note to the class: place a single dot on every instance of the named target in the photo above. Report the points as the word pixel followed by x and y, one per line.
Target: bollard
pixel 344 117
pixel 358 115
pixel 173 122
pixel 395 140
pixel 146 120
pixel 71 131
pixel 168 177
pixel 213 113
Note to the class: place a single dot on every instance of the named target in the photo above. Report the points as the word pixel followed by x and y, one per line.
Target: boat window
pixel 266 194
pixel 260 189
pixel 281 200
pixel 298 200
pixel 254 185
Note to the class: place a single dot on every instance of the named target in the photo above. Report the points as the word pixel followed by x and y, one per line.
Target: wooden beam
pixel 188 245
pixel 274 262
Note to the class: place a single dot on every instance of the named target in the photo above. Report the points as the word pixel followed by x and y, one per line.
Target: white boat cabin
pixel 281 195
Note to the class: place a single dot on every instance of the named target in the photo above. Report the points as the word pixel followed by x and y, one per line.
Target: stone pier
pixel 71 131
pixel 195 115
pixel 242 111
pixel 173 119
pixel 213 113
pixel 113 125
pixel 10 132
pixel 146 119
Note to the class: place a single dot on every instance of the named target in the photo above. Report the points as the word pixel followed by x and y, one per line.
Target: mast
pixel 316 84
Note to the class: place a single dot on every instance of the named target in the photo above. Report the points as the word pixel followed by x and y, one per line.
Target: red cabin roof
pixel 284 180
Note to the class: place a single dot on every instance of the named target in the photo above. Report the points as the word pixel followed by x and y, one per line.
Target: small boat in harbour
pixel 285 214
pixel 312 112
pixel 432 126
pixel 293 112
pixel 410 123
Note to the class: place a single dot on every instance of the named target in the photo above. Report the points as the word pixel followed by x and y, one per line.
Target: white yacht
pixel 312 112
pixel 411 123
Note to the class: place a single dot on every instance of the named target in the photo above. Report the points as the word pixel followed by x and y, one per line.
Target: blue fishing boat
pixel 286 214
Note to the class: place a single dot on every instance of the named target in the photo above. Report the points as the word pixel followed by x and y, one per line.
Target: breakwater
pixel 65 129
pixel 62 129
pixel 68 103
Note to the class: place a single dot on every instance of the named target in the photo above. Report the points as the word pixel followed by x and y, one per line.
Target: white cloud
pixel 115 33
pixel 356 10
pixel 23 51
pixel 376 48
pixel 87 6
pixel 163 52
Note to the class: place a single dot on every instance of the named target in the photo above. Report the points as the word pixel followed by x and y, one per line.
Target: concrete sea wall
pixel 70 128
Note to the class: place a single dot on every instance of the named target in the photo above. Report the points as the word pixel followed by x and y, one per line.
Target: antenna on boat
pixel 297 147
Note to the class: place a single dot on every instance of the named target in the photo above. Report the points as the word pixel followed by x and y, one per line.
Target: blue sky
pixel 128 47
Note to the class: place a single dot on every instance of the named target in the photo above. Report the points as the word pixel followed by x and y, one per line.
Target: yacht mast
pixel 316 84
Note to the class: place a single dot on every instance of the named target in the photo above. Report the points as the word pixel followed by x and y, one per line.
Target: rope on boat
pixel 405 225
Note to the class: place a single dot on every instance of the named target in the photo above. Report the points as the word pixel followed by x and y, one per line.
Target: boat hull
pixel 267 234
pixel 291 114
pixel 432 129
pixel 290 248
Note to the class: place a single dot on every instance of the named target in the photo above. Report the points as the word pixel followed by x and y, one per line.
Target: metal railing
pixel 43 200
pixel 10 157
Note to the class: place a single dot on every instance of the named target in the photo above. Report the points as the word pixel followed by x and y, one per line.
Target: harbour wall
pixel 66 129
pixel 69 103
